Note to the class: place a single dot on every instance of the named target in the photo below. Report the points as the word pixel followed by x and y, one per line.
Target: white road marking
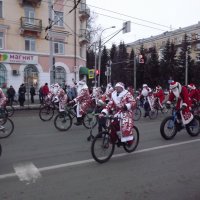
pixel 27 172
pixel 33 173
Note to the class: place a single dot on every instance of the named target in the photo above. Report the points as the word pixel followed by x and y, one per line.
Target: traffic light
pixel 97 72
pixel 141 59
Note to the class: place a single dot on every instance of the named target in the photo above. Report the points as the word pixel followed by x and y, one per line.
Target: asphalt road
pixel 39 162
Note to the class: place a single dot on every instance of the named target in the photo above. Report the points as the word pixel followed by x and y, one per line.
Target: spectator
pixel 22 92
pixel 11 94
pixel 41 98
pixel 32 92
pixel 45 90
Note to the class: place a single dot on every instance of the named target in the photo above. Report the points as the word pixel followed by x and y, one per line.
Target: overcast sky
pixel 170 15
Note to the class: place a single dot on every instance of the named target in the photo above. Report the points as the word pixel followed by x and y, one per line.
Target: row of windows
pixel 30 45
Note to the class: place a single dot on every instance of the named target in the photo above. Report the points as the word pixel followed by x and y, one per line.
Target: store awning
pixel 83 70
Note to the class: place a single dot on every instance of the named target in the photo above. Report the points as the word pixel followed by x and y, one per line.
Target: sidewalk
pixel 28 105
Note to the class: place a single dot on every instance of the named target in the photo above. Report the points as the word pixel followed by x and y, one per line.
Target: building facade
pixel 42 41
pixel 176 36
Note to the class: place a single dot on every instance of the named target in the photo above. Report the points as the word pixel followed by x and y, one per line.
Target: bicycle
pixel 172 124
pixel 153 113
pixel 137 113
pixel 63 120
pixel 9 109
pixel 103 146
pixel 47 110
pixel 6 124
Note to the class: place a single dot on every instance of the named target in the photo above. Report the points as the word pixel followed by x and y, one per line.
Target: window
pixel 58 47
pixel 58 18
pixel 1 40
pixel 29 44
pixel 1 9
pixel 198 46
pixel 198 57
pixel 29 14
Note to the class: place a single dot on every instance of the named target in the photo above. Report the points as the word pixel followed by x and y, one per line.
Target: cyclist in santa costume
pixel 183 102
pixel 122 104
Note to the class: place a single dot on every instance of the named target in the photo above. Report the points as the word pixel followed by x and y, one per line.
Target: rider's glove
pixel 125 108
pixel 71 103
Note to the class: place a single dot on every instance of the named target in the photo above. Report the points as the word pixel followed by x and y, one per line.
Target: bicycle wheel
pixel 9 110
pixel 193 128
pixel 168 128
pixel 6 127
pixel 130 146
pixel 153 114
pixel 90 120
pixel 137 114
pixel 63 122
pixel 102 148
pixel 46 113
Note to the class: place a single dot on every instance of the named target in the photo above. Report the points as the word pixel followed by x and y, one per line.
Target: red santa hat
pixel 176 88
pixel 158 87
pixel 191 86
pixel 120 84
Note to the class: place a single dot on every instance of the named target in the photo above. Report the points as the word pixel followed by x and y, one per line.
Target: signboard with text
pixel 91 73
pixel 18 58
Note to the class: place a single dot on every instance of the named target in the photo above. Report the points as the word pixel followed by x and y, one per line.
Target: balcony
pixel 83 37
pixel 30 26
pixel 34 3
pixel 84 12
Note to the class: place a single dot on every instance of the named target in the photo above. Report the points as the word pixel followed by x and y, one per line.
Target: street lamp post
pixel 186 68
pixel 99 61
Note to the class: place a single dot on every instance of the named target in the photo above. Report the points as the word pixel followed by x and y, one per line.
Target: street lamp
pixel 99 61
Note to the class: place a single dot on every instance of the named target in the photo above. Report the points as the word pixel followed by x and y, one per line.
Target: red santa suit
pixel 160 95
pixel 83 98
pixel 193 94
pixel 117 104
pixel 181 92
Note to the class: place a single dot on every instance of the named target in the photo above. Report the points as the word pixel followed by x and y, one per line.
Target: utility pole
pixel 134 73
pixel 75 38
pixel 99 63
pixel 52 80
pixel 186 67
pixel 95 67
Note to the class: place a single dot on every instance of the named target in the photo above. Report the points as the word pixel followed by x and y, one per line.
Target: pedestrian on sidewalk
pixel 22 92
pixel 32 92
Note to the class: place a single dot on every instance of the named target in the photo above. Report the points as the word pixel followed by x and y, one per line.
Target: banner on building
pixel 18 58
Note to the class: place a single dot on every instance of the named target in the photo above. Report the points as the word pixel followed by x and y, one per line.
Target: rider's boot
pixel 79 121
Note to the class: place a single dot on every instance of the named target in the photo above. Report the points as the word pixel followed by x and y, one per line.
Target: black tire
pixel 193 128
pixel 102 145
pixel 46 113
pixel 9 110
pixel 63 122
pixel 130 147
pixel 137 113
pixel 169 122
pixel 153 114
pixel 7 127
pixel 90 120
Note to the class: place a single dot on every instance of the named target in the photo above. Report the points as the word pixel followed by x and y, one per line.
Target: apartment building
pixel 176 36
pixel 32 32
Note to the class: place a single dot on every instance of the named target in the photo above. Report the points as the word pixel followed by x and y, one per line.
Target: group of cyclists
pixel 121 102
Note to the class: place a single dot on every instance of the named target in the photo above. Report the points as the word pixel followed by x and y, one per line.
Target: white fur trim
pixel 128 105
pixel 184 104
pixel 105 111
pixel 128 138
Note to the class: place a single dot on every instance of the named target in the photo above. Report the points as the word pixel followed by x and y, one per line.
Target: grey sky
pixel 170 13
